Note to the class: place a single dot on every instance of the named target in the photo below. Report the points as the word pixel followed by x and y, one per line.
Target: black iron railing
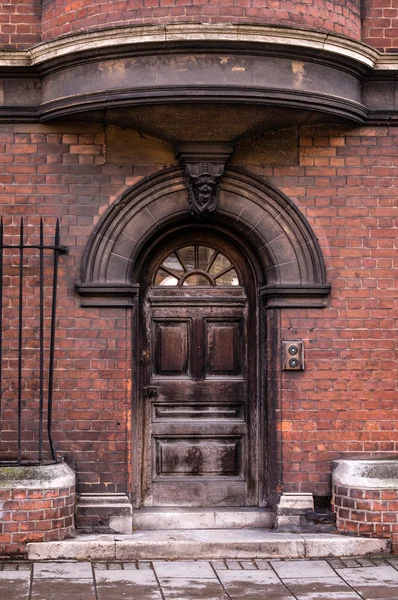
pixel 27 342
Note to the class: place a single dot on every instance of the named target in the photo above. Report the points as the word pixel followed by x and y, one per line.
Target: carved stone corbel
pixel 203 164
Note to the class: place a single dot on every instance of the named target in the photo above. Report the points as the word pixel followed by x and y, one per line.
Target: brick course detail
pixel 380 24
pixel 372 513
pixel 25 23
pixel 20 23
pixel 61 17
pixel 34 515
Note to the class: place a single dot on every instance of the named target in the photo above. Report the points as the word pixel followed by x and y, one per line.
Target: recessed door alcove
pixel 258 231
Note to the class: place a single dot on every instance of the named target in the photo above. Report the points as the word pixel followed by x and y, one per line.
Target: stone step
pixel 202 518
pixel 205 544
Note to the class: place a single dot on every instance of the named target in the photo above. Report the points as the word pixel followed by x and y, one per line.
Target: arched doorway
pixel 198 373
pixel 262 233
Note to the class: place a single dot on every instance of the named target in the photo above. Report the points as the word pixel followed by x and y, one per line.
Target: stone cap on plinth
pixel 55 476
pixel 366 474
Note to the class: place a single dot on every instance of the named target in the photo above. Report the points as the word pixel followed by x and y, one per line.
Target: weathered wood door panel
pixel 198 399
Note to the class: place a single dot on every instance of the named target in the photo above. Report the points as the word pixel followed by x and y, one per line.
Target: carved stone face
pixel 204 191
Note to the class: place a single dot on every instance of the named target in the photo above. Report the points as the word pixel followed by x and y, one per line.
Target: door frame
pixel 256 441
pixel 278 239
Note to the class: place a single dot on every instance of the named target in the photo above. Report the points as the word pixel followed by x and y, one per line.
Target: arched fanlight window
pixel 196 265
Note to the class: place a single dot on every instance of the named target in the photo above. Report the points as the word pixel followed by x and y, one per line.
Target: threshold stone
pixel 205 544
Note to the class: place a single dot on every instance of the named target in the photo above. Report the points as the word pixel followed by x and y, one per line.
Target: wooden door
pixel 197 381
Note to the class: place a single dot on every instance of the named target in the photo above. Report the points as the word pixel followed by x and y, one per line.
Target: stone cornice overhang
pixel 341 55
pixel 217 94
pixel 104 40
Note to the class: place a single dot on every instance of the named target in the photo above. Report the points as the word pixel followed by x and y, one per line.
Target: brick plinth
pixel 370 509
pixel 370 513
pixel 60 17
pixel 36 504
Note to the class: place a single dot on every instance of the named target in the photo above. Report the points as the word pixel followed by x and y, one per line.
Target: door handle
pixel 150 391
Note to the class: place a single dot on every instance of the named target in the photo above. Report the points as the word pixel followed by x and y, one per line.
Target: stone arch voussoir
pixel 290 259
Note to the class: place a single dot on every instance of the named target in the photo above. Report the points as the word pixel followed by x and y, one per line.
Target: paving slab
pixel 219 564
pixel 233 564
pixel 320 588
pixel 356 578
pixel 130 584
pixel 114 566
pixel 263 564
pixel 254 585
pixel 353 562
pixel 14 585
pixel 248 565
pixel 130 576
pixel 302 568
pixel 192 589
pixel 130 566
pixel 184 569
pixel 364 562
pixel 58 589
pixel 56 570
pixel 15 575
pixel 372 582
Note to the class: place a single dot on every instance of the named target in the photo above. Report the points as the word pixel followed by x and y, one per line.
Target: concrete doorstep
pixel 205 544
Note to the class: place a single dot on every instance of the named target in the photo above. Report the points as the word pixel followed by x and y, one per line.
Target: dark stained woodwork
pixel 198 457
pixel 171 347
pixel 224 347
pixel 197 411
pixel 199 385
pixel 221 493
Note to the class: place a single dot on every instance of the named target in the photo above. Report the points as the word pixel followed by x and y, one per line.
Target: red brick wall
pixel 380 24
pixel 343 404
pixel 66 16
pixel 31 326
pixel 52 173
pixel 35 516
pixel 371 513
pixel 20 23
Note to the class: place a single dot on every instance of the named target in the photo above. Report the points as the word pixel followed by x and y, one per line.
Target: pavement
pixel 366 578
